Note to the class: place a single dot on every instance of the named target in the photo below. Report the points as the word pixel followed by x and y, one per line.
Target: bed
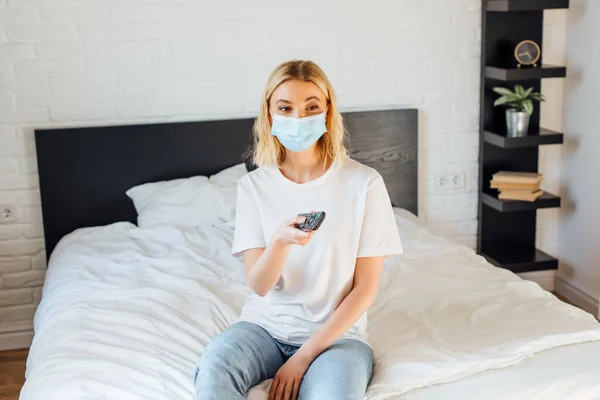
pixel 127 310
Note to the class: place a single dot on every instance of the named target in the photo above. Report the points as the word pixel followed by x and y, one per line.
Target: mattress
pixel 126 313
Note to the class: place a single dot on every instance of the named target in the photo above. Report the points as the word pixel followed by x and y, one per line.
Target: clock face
pixel 527 52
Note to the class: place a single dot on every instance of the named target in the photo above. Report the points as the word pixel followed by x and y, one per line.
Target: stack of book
pixel 524 186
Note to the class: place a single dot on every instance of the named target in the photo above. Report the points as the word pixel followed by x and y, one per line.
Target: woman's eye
pixel 284 109
pixel 313 108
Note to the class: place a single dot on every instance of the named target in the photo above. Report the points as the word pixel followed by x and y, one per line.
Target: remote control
pixel 313 221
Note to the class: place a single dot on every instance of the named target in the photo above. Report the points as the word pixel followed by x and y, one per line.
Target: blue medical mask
pixel 298 134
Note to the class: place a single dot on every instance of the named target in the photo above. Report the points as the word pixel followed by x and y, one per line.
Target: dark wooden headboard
pixel 85 172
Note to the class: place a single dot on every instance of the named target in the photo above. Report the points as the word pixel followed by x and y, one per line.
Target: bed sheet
pixel 126 313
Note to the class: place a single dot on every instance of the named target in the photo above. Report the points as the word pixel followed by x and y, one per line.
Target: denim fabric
pixel 245 355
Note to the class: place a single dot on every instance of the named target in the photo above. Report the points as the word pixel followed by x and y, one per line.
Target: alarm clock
pixel 527 53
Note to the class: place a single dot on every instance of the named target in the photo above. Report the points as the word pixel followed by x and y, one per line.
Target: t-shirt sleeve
pixel 248 228
pixel 379 234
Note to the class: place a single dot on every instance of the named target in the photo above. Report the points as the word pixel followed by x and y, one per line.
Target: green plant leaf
pixel 528 92
pixel 534 97
pixel 503 91
pixel 502 100
pixel 508 100
pixel 520 91
pixel 528 106
pixel 537 96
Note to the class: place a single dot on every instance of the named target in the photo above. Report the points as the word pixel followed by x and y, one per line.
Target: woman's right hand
pixel 287 233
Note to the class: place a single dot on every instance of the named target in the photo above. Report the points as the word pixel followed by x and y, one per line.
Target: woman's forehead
pixel 297 91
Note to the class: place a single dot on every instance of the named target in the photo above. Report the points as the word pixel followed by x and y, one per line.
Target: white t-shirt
pixel 316 278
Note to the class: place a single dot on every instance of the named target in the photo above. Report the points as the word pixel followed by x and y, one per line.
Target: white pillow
pixel 189 202
pixel 407 215
pixel 225 182
pixel 229 176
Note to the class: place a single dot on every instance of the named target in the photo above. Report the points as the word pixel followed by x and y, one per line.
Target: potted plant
pixel 520 107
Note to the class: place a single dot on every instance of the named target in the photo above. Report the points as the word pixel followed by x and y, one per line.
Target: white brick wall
pixel 100 62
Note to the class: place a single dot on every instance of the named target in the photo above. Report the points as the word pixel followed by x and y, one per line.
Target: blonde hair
pixel 266 148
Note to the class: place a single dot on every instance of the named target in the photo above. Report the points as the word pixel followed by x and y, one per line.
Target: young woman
pixel 305 325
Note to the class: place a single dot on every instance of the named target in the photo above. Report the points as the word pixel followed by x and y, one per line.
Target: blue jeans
pixel 245 355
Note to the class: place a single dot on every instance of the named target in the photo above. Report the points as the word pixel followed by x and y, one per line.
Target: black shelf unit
pixel 547 200
pixel 535 137
pixel 507 228
pixel 520 258
pixel 525 74
pixel 525 5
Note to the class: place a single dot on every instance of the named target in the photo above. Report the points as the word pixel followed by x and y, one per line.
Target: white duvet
pixel 126 313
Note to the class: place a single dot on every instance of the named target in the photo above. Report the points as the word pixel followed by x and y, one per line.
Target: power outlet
pixel 8 213
pixel 451 182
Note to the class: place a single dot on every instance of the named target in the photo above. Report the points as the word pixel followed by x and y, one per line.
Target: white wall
pixel 579 222
pixel 99 62
pixel 555 22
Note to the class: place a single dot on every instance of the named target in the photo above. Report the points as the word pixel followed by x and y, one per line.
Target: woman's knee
pixel 220 363
pixel 316 389
pixel 233 359
pixel 217 376
pixel 333 390
pixel 342 372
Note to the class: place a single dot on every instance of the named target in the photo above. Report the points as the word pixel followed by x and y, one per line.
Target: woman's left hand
pixel 286 381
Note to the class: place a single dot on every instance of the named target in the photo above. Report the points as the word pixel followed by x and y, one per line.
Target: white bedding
pixel 126 313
